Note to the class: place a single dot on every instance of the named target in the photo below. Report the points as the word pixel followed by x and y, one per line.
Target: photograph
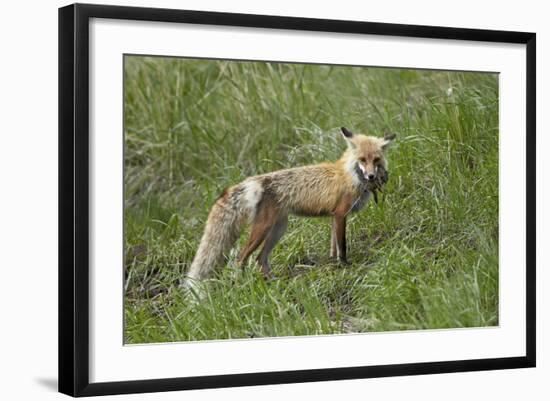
pixel 275 199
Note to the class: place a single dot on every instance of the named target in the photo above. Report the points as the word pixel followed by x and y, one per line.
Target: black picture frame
pixel 74 198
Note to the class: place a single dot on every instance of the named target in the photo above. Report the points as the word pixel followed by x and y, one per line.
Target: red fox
pixel 325 189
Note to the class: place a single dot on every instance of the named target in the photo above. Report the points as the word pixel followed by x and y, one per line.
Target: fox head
pixel 367 153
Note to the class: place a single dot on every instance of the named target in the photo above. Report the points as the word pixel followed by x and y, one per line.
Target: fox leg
pixel 274 235
pixel 265 219
pixel 340 234
pixel 339 227
pixel 333 243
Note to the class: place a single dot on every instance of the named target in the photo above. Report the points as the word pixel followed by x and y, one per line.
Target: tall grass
pixel 425 257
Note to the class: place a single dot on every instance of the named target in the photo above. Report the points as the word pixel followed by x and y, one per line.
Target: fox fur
pixel 265 201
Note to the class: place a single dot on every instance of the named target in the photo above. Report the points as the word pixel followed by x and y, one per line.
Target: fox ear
pixel 348 135
pixel 388 138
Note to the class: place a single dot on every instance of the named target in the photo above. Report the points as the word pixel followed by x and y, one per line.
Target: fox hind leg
pixel 257 236
pixel 274 235
pixel 265 220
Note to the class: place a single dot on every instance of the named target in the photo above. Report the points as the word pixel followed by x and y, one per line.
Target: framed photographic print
pixel 250 199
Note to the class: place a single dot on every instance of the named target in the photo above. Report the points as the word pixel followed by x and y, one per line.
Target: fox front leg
pixel 339 227
pixel 333 244
pixel 340 231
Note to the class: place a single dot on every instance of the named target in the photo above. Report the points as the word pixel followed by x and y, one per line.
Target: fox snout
pixel 369 173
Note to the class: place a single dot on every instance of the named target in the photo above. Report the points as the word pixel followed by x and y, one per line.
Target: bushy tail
pixel 223 228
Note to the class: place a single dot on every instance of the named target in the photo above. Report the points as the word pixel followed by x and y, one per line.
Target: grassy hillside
pixel 425 257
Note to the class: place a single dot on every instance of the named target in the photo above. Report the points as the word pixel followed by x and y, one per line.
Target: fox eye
pixel 376 160
pixel 362 159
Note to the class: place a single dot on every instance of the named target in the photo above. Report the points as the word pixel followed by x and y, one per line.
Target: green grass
pixel 425 257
